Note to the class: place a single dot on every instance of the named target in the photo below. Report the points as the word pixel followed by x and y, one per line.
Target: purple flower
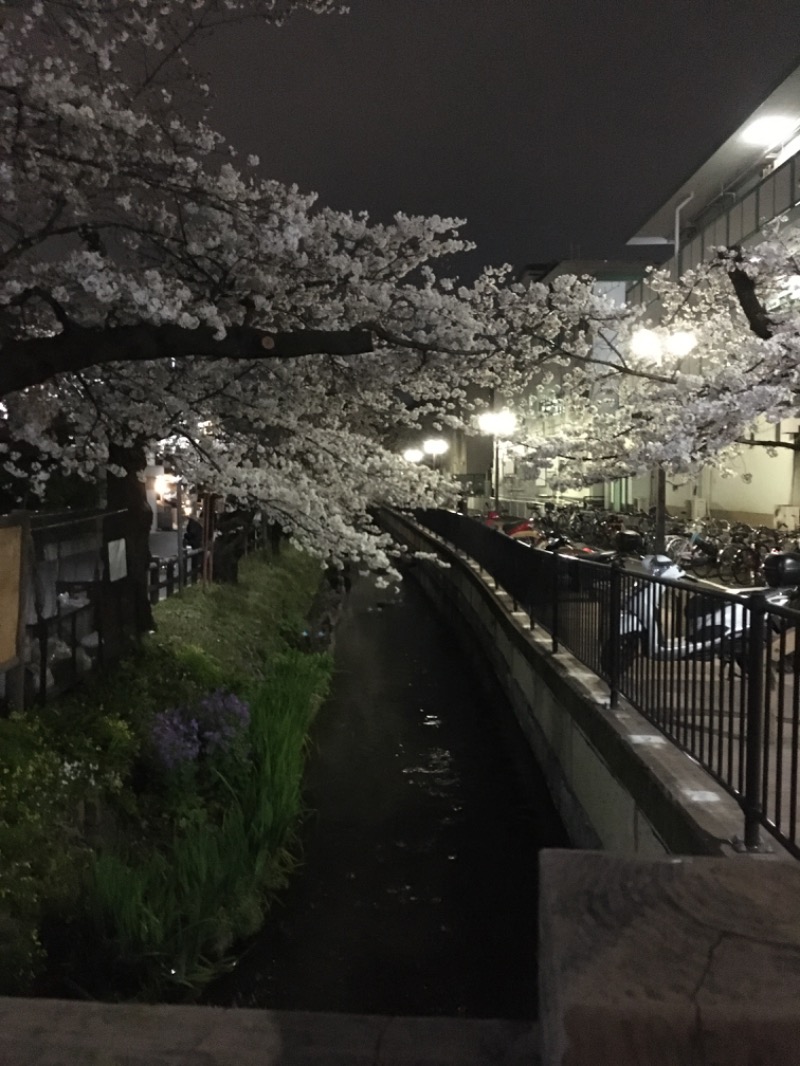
pixel 222 718
pixel 175 735
pixel 217 725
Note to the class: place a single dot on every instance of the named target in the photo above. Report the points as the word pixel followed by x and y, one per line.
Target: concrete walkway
pixel 41 1032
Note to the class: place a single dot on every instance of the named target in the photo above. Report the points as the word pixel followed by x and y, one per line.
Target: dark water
pixel 418 889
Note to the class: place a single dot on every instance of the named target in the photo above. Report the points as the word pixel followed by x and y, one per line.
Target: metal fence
pixel 168 576
pixel 77 612
pixel 726 693
pixel 81 609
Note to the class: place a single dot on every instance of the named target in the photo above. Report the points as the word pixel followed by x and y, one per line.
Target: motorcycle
pixel 526 529
pixel 713 628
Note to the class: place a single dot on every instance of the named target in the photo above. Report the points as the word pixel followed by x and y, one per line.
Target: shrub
pixel 180 868
pixel 41 862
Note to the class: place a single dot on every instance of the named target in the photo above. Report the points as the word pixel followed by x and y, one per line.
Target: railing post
pixel 154 575
pixel 751 801
pixel 615 613
pixel 555 570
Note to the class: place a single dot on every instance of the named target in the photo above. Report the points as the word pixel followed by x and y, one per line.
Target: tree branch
pixel 792 446
pixel 33 361
pixel 745 289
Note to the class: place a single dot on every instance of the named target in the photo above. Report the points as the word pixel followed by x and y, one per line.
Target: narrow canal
pixel 417 892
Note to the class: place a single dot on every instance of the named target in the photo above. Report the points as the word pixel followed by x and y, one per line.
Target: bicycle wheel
pixel 678 548
pixel 726 562
pixel 745 567
pixel 703 563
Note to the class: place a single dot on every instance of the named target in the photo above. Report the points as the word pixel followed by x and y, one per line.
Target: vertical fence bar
pixel 751 800
pixel 795 740
pixel 776 680
pixel 615 605
pixel 556 578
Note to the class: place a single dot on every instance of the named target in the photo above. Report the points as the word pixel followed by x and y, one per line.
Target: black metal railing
pixel 717 672
pixel 168 576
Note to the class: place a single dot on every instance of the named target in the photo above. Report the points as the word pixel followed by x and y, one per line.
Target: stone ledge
pixel 668 962
pixel 41 1032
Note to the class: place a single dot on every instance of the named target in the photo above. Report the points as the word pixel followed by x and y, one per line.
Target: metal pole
pixel 615 612
pixel 496 474
pixel 751 801
pixel 660 531
pixel 677 240
pixel 555 570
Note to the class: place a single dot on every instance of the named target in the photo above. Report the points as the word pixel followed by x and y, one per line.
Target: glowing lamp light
pixel 680 343
pixel 435 446
pixel 769 130
pixel 413 455
pixel 646 344
pixel 497 423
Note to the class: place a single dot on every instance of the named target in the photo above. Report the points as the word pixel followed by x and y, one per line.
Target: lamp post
pixel 497 424
pixel 648 344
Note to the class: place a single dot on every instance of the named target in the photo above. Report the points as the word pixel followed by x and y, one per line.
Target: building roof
pixel 600 269
pixel 723 173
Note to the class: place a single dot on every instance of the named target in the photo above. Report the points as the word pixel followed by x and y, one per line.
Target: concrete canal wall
pixel 617 782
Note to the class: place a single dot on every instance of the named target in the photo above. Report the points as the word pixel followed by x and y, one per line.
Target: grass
pixel 235 629
pixel 153 876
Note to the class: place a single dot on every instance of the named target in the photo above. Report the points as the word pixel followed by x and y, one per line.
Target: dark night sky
pixel 556 127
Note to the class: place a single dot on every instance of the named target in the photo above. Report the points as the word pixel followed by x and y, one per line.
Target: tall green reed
pixel 171 912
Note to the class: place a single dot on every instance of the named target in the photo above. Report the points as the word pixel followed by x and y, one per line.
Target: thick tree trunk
pixel 34 360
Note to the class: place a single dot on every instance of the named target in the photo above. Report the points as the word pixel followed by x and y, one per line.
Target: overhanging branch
pixel 33 361
pixel 792 446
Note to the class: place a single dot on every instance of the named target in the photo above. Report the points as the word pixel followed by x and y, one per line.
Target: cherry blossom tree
pixel 158 294
pixel 682 382
pixel 153 289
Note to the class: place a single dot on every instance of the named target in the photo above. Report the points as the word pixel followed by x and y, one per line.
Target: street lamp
pixel 648 344
pixel 435 446
pixel 497 424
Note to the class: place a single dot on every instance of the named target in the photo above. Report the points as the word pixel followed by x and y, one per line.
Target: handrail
pixel 717 672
